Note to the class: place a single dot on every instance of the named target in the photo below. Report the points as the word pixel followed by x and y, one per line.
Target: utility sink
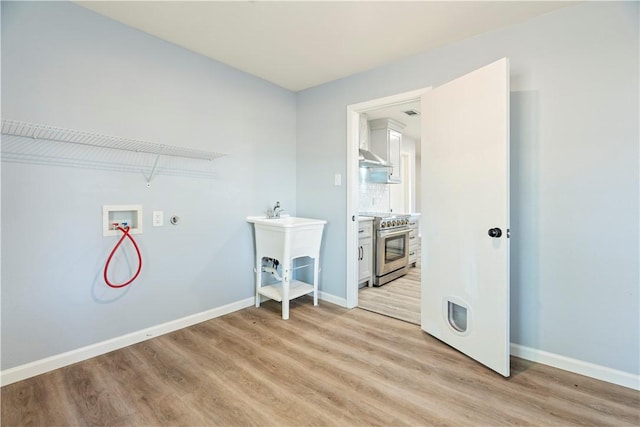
pixel 286 221
pixel 286 239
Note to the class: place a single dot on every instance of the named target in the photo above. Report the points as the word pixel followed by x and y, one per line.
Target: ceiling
pixel 298 45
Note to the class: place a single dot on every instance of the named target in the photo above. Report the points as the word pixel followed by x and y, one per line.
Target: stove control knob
pixel 394 222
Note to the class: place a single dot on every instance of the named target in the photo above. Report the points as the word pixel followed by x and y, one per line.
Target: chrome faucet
pixel 275 211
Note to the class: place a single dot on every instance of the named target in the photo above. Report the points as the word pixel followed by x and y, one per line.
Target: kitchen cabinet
pixel 365 252
pixel 386 142
pixel 414 240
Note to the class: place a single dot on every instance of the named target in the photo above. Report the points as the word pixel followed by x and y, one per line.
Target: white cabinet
pixel 414 241
pixel 386 142
pixel 365 251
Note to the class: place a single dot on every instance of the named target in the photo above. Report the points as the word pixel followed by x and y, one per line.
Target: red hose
pixel 125 234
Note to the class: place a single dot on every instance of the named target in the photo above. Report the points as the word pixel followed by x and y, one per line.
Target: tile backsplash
pixel 374 197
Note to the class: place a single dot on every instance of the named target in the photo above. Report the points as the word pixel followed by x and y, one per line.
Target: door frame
pixel 352 179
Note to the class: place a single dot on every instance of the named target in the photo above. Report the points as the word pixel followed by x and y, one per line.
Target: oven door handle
pixel 391 233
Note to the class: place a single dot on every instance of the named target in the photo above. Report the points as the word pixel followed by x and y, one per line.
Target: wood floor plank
pixel 256 382
pixel 154 400
pixel 96 403
pixel 31 403
pixel 329 380
pixel 399 298
pixel 325 366
pixel 447 392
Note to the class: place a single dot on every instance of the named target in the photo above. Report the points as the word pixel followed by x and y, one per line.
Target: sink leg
pixel 258 279
pixel 316 268
pixel 285 292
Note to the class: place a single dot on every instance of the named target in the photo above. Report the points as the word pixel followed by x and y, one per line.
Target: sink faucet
pixel 275 211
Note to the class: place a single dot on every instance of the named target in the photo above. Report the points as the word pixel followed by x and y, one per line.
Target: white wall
pixel 574 136
pixel 63 65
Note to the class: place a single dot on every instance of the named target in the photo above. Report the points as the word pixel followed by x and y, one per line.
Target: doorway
pixel 400 297
pixel 465 201
pixel 400 198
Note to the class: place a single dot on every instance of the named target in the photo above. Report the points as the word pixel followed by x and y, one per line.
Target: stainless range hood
pixel 367 159
pixel 376 169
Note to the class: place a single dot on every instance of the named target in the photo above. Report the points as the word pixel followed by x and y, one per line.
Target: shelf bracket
pixel 155 166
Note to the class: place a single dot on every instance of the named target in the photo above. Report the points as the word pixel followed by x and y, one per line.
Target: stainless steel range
pixel 391 253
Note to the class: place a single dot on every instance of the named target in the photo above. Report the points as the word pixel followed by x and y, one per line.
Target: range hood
pixel 367 159
pixel 377 170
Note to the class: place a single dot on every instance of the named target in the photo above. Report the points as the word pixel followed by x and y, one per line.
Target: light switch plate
pixel 337 180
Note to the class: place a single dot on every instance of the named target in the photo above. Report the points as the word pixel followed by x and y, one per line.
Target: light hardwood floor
pixel 399 298
pixel 325 366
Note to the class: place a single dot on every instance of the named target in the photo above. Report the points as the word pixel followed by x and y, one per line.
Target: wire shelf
pixel 52 133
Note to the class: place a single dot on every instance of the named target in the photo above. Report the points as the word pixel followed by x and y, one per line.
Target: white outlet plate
pixel 158 218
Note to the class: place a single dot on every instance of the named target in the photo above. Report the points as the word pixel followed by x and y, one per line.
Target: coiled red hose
pixel 125 234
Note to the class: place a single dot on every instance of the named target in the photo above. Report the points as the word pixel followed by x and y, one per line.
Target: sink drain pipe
pixel 273 272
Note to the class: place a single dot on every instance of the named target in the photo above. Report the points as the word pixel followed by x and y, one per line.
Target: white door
pixel 465 198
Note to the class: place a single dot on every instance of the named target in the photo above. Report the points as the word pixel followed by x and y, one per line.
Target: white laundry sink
pixel 291 236
pixel 285 239
pixel 286 221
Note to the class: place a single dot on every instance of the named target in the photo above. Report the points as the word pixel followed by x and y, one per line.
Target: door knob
pixel 495 232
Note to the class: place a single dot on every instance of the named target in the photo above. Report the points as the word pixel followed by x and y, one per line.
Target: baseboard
pixel 592 370
pixel 342 302
pixel 38 367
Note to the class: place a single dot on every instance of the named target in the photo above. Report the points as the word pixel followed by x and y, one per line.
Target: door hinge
pixel 508 233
